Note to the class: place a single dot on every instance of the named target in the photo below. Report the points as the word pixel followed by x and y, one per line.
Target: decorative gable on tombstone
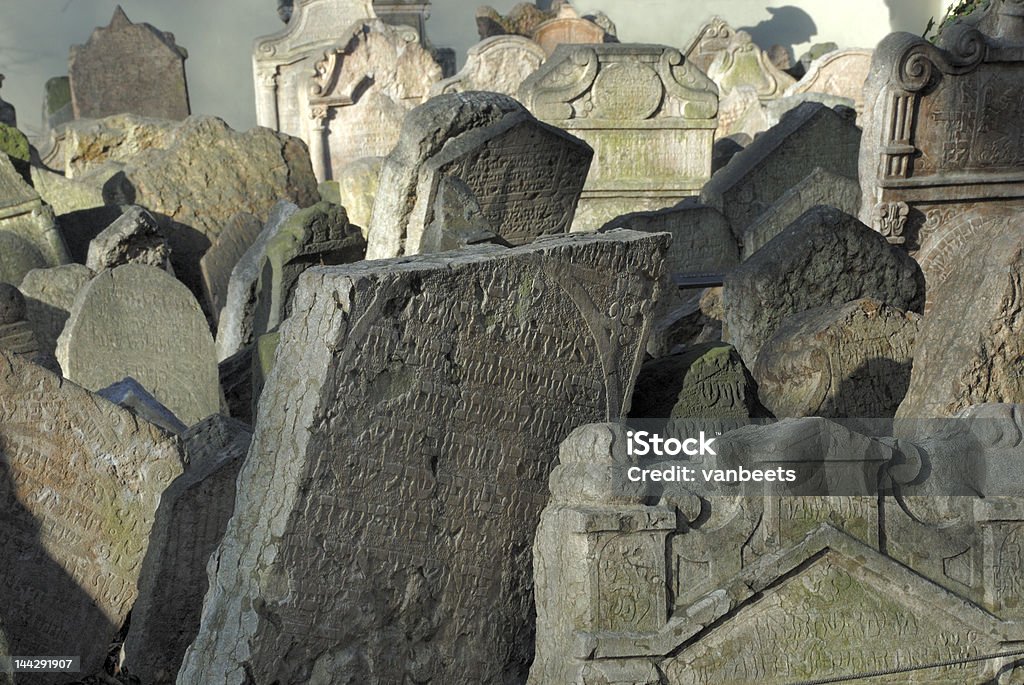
pixel 712 38
pixel 153 86
pixel 942 160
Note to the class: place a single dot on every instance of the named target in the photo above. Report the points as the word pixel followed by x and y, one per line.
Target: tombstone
pixel 851 360
pixel 15 145
pixel 190 522
pixel 823 258
pixel 238 235
pixel 820 187
pixel 154 87
pixel 341 80
pixel 207 174
pixel 743 63
pixel 320 235
pixel 521 20
pixel 17 257
pixel 81 481
pixel 568 27
pixel 57 107
pixel 135 238
pixel 7 114
pixel 235 324
pixel 806 138
pixel 971 342
pixel 65 195
pixel 498 64
pixel 468 441
pixel 943 141
pixel 458 220
pixel 49 296
pixel 16 335
pixel 356 186
pixel 23 214
pixel 712 38
pixel 139 321
pixel 92 143
pixel 237 384
pixel 842 73
pixel 525 175
pixel 626 101
pixel 129 394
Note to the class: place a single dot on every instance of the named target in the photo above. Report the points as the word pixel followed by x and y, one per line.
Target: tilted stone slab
pixel 49 296
pixel 134 238
pixel 741 62
pixel 711 38
pixel 843 73
pixel 216 266
pixel 81 480
pixel 384 516
pixel 824 258
pixel 139 321
pixel 23 214
pixel 498 64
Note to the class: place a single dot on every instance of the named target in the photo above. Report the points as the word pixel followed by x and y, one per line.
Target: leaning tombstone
pixel 57 109
pixel 80 526
pixel 16 334
pixel 743 63
pixel 135 238
pixel 139 321
pixel 154 86
pixel 130 394
pixel 498 64
pixel 23 214
pixel 49 296
pixel 713 37
pixel 842 73
pixel 568 27
pixel 626 101
pixel 238 235
pixel 525 175
pixel 464 399
pixel 356 190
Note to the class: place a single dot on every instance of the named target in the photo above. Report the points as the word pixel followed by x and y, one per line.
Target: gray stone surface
pixel 842 73
pixel 49 295
pixel 16 335
pixel 17 257
pixel 190 522
pixel 526 175
pixel 129 394
pixel 356 184
pixel 57 107
pixel 846 361
pixel 23 214
pixel 237 384
pixel 216 266
pixel 458 220
pixel 91 143
pixel 439 415
pixel 649 115
pixel 741 62
pixel 567 27
pixel 80 480
pixel 235 324
pixel 154 86
pixel 806 138
pixel 135 238
pixel 711 38
pixel 64 194
pixel 139 321
pixel 498 64
pixel 824 258
pixel 820 187
pixel 971 342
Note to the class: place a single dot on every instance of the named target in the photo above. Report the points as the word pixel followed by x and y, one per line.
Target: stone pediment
pixel 313 23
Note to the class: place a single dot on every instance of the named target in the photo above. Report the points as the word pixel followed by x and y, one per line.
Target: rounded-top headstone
pixel 12 304
pixel 139 321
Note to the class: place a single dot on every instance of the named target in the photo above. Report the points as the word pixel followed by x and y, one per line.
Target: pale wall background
pixel 35 35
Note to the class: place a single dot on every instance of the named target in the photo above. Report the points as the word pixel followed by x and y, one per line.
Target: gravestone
pixel 81 480
pixel 135 238
pixel 319 235
pixel 356 186
pixel 235 324
pixel 743 63
pixel 15 145
pixel 823 258
pixel 16 335
pixel 820 187
pixel 525 175
pixel 190 522
pixel 49 296
pixel 941 148
pixel 713 37
pixel 139 321
pixel 129 394
pixel 341 80
pixel 154 86
pixel 846 361
pixel 442 409
pixel 17 257
pixel 498 64
pixel 521 20
pixel 23 214
pixel 648 114
pixel 57 107
pixel 458 220
pixel 65 195
pixel 842 73
pixel 971 341
pixel 7 114
pixel 91 143
pixel 808 137
pixel 568 27
pixel 238 235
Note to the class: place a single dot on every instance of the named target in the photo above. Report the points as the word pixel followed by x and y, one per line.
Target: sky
pixel 36 35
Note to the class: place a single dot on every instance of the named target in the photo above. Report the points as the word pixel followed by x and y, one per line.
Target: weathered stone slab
pixel 526 175
pixel 458 220
pixel 648 114
pixel 356 186
pixel 238 235
pixel 135 238
pixel 17 257
pixel 235 324
pixel 129 394
pixel 237 384
pixel 139 321
pixel 341 80
pixel 498 64
pixel 23 214
pixel 16 336
pixel 154 86
pixel 190 523
pixel 57 107
pixel 446 408
pixel 568 27
pixel 65 195
pixel 941 151
pixel 319 235
pixel 806 138
pixel 92 143
pixel 49 296
pixel 742 63
pixel 971 342
pixel 842 73
pixel 820 187
pixel 7 114
pixel 711 38
pixel 848 361
pixel 824 258
pixel 81 480
pixel 521 20
pixel 15 145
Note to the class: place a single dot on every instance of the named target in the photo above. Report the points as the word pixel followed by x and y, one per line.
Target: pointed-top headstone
pixel 120 19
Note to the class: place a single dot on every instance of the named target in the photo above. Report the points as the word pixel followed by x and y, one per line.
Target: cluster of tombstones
pixel 340 399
